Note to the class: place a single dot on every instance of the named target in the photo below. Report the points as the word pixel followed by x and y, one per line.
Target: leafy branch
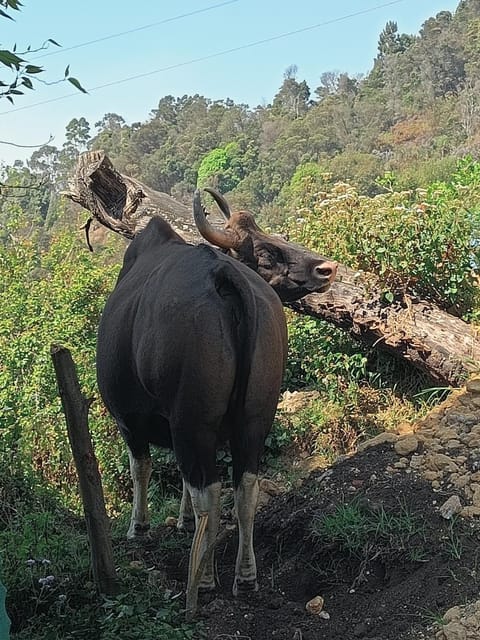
pixel 25 74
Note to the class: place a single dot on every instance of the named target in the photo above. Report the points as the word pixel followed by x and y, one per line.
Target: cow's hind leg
pixel 140 469
pixel 246 497
pixel 206 507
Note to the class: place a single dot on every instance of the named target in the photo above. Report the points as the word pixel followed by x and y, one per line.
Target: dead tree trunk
pixel 76 406
pixel 443 346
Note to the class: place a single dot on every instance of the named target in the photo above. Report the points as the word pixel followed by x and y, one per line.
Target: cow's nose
pixel 327 269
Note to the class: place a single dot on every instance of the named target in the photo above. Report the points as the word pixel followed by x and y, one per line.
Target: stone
pixel 440 461
pixel 451 614
pixel 171 521
pixel 470 512
pixel 472 440
pixel 406 445
pixel 315 605
pixel 293 401
pixel 416 462
pixel 453 444
pixel 451 507
pixel 432 475
pixel 473 385
pixel 454 631
pixel 382 438
pixel 461 481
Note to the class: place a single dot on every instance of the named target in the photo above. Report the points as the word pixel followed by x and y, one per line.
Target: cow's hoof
pixel 243 585
pixel 138 531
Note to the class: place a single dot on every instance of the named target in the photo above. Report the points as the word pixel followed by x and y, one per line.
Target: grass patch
pixel 354 527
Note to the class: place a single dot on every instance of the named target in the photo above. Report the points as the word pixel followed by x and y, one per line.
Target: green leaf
pixel 4 14
pixel 10 59
pixel 67 71
pixel 388 296
pixel 77 85
pixel 31 69
pixel 53 42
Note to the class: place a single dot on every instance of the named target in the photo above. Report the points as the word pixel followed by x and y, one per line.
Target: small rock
pixel 171 521
pixel 473 385
pixel 461 481
pixel 432 475
pixel 440 461
pixel 315 605
pixel 451 614
pixel 453 444
pixel 472 440
pixel 416 462
pixel 324 615
pixel 470 512
pixel 406 445
pixel 382 438
pixel 450 507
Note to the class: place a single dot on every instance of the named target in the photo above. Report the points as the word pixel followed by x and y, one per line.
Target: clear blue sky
pixel 251 75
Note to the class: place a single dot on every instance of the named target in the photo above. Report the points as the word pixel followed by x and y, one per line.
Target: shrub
pixel 424 242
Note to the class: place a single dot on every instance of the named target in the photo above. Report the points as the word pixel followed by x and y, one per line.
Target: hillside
pixel 406 122
pixel 384 536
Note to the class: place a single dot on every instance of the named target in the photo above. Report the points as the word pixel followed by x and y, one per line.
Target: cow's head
pixel 290 269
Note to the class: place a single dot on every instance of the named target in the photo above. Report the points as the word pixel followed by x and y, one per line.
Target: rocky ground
pixel 382 545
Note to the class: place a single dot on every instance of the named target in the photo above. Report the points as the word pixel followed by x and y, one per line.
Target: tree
pixel 293 96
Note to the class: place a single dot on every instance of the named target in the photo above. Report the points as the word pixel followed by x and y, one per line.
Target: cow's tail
pixel 231 283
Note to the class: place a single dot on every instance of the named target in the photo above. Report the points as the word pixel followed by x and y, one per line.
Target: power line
pixel 211 56
pixel 142 28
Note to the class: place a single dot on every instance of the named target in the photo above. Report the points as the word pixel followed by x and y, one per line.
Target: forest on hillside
pixel 407 122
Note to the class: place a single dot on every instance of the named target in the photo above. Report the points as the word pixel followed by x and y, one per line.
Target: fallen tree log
pixel 441 345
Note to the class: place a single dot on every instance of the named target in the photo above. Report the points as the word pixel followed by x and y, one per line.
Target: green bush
pixel 424 242
pixel 52 296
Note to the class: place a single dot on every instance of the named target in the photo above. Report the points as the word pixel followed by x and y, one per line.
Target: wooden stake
pixel 76 407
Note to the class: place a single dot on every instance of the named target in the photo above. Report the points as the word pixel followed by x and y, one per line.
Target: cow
pixel 191 352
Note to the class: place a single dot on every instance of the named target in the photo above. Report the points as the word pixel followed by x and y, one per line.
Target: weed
pixel 453 543
pixel 355 527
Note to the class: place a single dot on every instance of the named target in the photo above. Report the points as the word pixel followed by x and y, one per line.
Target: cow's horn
pixel 224 239
pixel 221 201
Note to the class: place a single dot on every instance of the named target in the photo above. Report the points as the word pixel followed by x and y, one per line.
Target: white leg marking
pixel 246 496
pixel 140 469
pixel 186 520
pixel 206 502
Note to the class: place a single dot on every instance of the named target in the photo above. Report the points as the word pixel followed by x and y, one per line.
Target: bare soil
pixel 393 587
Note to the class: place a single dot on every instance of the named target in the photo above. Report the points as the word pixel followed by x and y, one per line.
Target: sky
pixel 236 49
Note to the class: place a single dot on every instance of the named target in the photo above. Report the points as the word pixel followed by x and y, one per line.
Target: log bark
pixel 76 407
pixel 441 345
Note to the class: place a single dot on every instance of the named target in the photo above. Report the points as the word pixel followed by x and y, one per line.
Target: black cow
pixel 191 352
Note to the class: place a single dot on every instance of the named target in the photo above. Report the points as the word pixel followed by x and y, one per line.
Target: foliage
pixel 355 527
pixel 423 242
pixel 52 295
pixel 45 560
pixel 219 168
pixel 25 74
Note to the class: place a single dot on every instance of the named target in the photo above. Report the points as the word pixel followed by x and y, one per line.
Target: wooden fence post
pixel 76 407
